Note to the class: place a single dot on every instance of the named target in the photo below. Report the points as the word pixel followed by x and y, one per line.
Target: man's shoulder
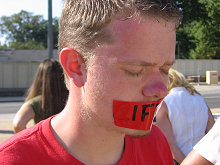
pixel 28 138
pixel 21 147
pixel 20 139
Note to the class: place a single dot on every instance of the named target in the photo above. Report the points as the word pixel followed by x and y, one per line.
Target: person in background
pixel 116 55
pixel 46 97
pixel 184 116
pixel 207 150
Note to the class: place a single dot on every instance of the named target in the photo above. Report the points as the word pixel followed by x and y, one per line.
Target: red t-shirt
pixel 38 146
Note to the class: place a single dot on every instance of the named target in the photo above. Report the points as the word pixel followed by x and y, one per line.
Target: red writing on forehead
pixel 134 115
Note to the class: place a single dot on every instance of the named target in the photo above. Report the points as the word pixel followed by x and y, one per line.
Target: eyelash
pixel 166 72
pixel 133 73
pixel 137 74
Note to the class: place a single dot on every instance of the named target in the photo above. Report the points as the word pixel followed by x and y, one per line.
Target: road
pixel 210 93
pixel 9 106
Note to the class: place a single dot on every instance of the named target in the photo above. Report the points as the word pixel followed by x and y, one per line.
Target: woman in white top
pixel 207 150
pixel 184 116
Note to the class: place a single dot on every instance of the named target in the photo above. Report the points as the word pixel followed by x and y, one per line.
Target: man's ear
pixel 71 62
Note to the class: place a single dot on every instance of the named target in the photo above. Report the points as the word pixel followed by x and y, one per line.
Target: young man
pixel 116 55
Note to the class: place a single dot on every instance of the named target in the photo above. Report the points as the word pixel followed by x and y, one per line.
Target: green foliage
pixel 192 10
pixel 185 44
pixel 198 35
pixel 25 31
pixel 206 41
pixel 199 31
pixel 26 45
pixel 4 46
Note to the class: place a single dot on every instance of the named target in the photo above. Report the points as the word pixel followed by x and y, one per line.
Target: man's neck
pixel 87 143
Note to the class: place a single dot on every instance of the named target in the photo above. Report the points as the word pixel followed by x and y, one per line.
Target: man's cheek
pixel 134 115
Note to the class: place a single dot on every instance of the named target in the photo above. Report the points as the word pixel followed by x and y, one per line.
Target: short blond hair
pixel 177 79
pixel 82 24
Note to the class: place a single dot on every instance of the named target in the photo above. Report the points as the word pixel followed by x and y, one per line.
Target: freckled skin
pixel 109 78
pixel 133 68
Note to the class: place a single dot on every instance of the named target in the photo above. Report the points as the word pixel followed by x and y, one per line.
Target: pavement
pixel 12 99
pixel 6 128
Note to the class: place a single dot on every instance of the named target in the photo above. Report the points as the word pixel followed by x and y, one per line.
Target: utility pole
pixel 50 31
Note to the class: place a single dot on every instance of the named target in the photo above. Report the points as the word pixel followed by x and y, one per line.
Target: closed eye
pixel 165 70
pixel 133 73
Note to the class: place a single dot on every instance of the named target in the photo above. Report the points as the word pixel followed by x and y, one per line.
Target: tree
pixel 198 33
pixel 192 10
pixel 4 46
pixel 207 32
pixel 26 31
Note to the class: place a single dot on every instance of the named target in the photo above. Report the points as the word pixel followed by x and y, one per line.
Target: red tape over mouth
pixel 134 115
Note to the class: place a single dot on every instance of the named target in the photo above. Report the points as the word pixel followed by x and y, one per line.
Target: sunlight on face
pixel 133 68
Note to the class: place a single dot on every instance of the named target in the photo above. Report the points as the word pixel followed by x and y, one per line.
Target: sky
pixel 38 7
pixel 9 7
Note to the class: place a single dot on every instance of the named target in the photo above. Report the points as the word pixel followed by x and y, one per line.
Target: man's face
pixel 133 68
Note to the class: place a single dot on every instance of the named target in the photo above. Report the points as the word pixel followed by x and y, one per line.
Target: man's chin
pixel 137 133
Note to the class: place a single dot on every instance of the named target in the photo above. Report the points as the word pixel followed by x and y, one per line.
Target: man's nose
pixel 155 89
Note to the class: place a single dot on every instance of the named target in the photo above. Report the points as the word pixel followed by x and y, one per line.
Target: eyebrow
pixel 141 63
